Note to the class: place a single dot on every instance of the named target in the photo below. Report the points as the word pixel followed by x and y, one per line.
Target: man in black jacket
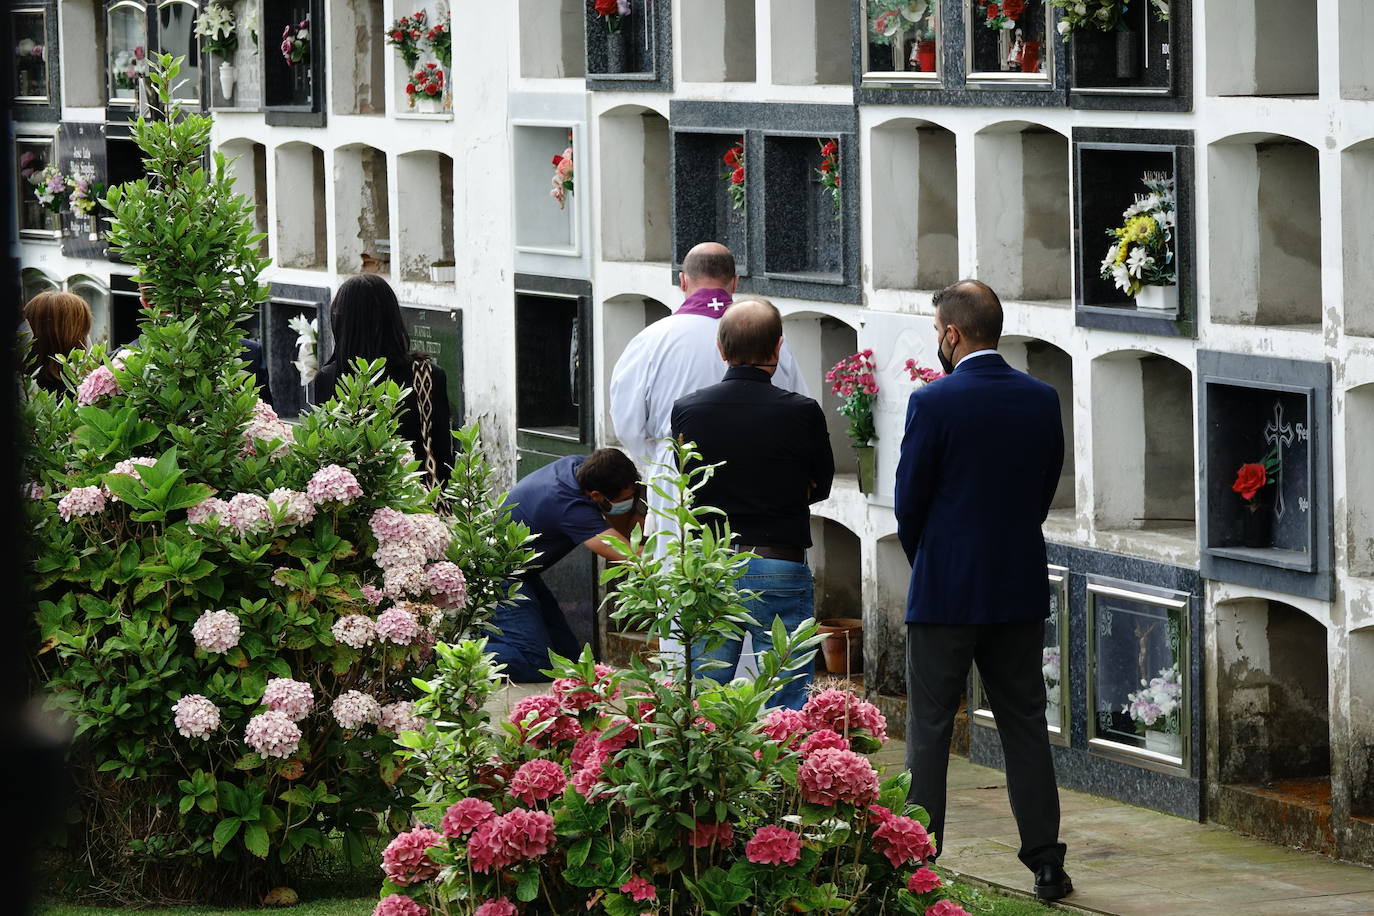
pixel 776 450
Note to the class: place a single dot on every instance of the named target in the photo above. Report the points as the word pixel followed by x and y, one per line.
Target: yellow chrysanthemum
pixel 1141 228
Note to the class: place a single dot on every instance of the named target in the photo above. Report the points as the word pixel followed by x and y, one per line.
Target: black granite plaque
pixel 294 92
pixel 703 203
pixel 1110 768
pixel 125 311
pixel 1109 167
pixel 34 63
pixel 1147 66
pixel 1250 409
pixel 554 402
pixel 439 333
pixel 804 225
pixel 289 396
pixel 82 154
pixel 638 55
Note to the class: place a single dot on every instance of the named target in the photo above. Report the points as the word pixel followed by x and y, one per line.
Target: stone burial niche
pixel 1273 723
pixel 804 215
pixel 705 206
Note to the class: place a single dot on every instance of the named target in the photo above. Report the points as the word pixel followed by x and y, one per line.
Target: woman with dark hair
pixel 60 323
pixel 365 319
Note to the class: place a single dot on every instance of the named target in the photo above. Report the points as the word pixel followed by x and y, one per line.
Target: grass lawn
pixel 979 903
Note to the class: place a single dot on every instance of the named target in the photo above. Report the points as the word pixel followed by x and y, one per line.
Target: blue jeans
pixel 528 628
pixel 784 590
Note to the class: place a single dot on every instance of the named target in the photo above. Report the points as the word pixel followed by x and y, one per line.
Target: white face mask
pixel 621 508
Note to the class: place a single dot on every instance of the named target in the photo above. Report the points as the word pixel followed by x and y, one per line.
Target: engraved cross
pixel 1280 435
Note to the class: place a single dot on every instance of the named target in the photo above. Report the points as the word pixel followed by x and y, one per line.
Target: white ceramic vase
pixel 1157 298
pixel 227 73
pixel 427 104
pixel 1166 743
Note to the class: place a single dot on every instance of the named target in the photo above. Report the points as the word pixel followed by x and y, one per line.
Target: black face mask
pixel 946 363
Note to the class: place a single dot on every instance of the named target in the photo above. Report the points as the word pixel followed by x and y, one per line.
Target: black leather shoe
pixel 1051 883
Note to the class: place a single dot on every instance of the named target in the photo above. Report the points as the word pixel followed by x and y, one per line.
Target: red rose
pixel 410 88
pixel 993 11
pixel 732 158
pixel 1013 8
pixel 737 177
pixel 557 159
pixel 827 165
pixel 606 7
pixel 830 148
pixel 1249 479
pixel 397 36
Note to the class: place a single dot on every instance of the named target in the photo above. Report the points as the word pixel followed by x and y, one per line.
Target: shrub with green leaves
pixel 231 609
pixel 646 791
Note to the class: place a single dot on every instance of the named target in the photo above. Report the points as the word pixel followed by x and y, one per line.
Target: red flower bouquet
pixel 426 83
pixel 611 12
pixel 563 175
pixel 829 171
pixel 852 378
pixel 734 175
pixel 405 34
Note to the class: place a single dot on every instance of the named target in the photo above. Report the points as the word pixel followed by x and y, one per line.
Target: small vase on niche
pixel 1257 524
pixel 868 468
pixel 618 51
pixel 925 56
pixel 227 73
pixel 1127 55
pixel 427 104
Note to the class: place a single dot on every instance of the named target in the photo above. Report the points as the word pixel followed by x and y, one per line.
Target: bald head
pixel 709 265
pixel 974 309
pixel 750 333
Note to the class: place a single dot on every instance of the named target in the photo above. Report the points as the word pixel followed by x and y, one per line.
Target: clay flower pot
pixel 843 646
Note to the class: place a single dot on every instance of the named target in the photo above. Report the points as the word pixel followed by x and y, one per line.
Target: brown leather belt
pixel 791 554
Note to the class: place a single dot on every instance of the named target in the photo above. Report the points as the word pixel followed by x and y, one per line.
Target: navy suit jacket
pixel 980 462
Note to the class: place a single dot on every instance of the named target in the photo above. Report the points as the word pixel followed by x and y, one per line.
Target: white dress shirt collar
pixel 976 353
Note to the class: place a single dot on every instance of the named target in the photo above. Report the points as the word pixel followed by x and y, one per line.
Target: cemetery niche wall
pixel 293 63
pixel 794 193
pixel 35 77
pixel 1129 681
pixel 1132 201
pixel 631 52
pixel 1144 63
pixel 1265 466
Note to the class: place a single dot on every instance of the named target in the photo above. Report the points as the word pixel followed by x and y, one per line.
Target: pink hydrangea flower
pixel 621 739
pixel 354 709
pixel 783 725
pixel 447 583
pixel 923 881
pixel 465 816
pixel 388 524
pixel 354 630
pixel 404 580
pixel 195 716
pixel 844 713
pixel 831 775
pixel 773 845
pixel 35 490
pixel 406 858
pixel 509 838
pixel 639 889
pixel 203 511
pixel 399 905
pixel 216 631
pixel 296 506
pixel 98 384
pixel 289 697
pixel 372 595
pixel 576 694
pixel 703 835
pixel 273 734
pixel 81 501
pixel 946 908
pixel 903 839
pixel 823 738
pixel 585 747
pixel 540 709
pixel 398 626
pixel 588 777
pixel 247 512
pixel 400 717
pixel 266 426
pixel 333 484
pixel 433 535
pixel 126 468
pixel 501 906
pixel 537 780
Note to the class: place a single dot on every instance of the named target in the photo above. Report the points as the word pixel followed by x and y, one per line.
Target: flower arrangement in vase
pixel 1001 14
pixel 1251 480
pixel 1140 260
pixel 888 23
pixel 1155 708
pixel 406 35
pixel 51 189
pixel 440 41
pixel 218 32
pixel 611 12
pixel 853 379
pixel 295 43
pixel 563 175
pixel 129 67
pixel 734 175
pixel 1102 15
pixel 427 86
pixel 829 171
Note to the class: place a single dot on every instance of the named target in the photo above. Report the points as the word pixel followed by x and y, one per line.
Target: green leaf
pixel 528 888
pixel 255 839
pixel 225 831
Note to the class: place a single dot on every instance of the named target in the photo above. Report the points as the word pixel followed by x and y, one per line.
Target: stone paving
pixel 1127 860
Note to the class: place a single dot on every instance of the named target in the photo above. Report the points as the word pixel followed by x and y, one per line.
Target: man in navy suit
pixel 980 461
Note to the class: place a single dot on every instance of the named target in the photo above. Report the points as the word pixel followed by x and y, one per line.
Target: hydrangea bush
pixel 645 791
pixel 231 608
